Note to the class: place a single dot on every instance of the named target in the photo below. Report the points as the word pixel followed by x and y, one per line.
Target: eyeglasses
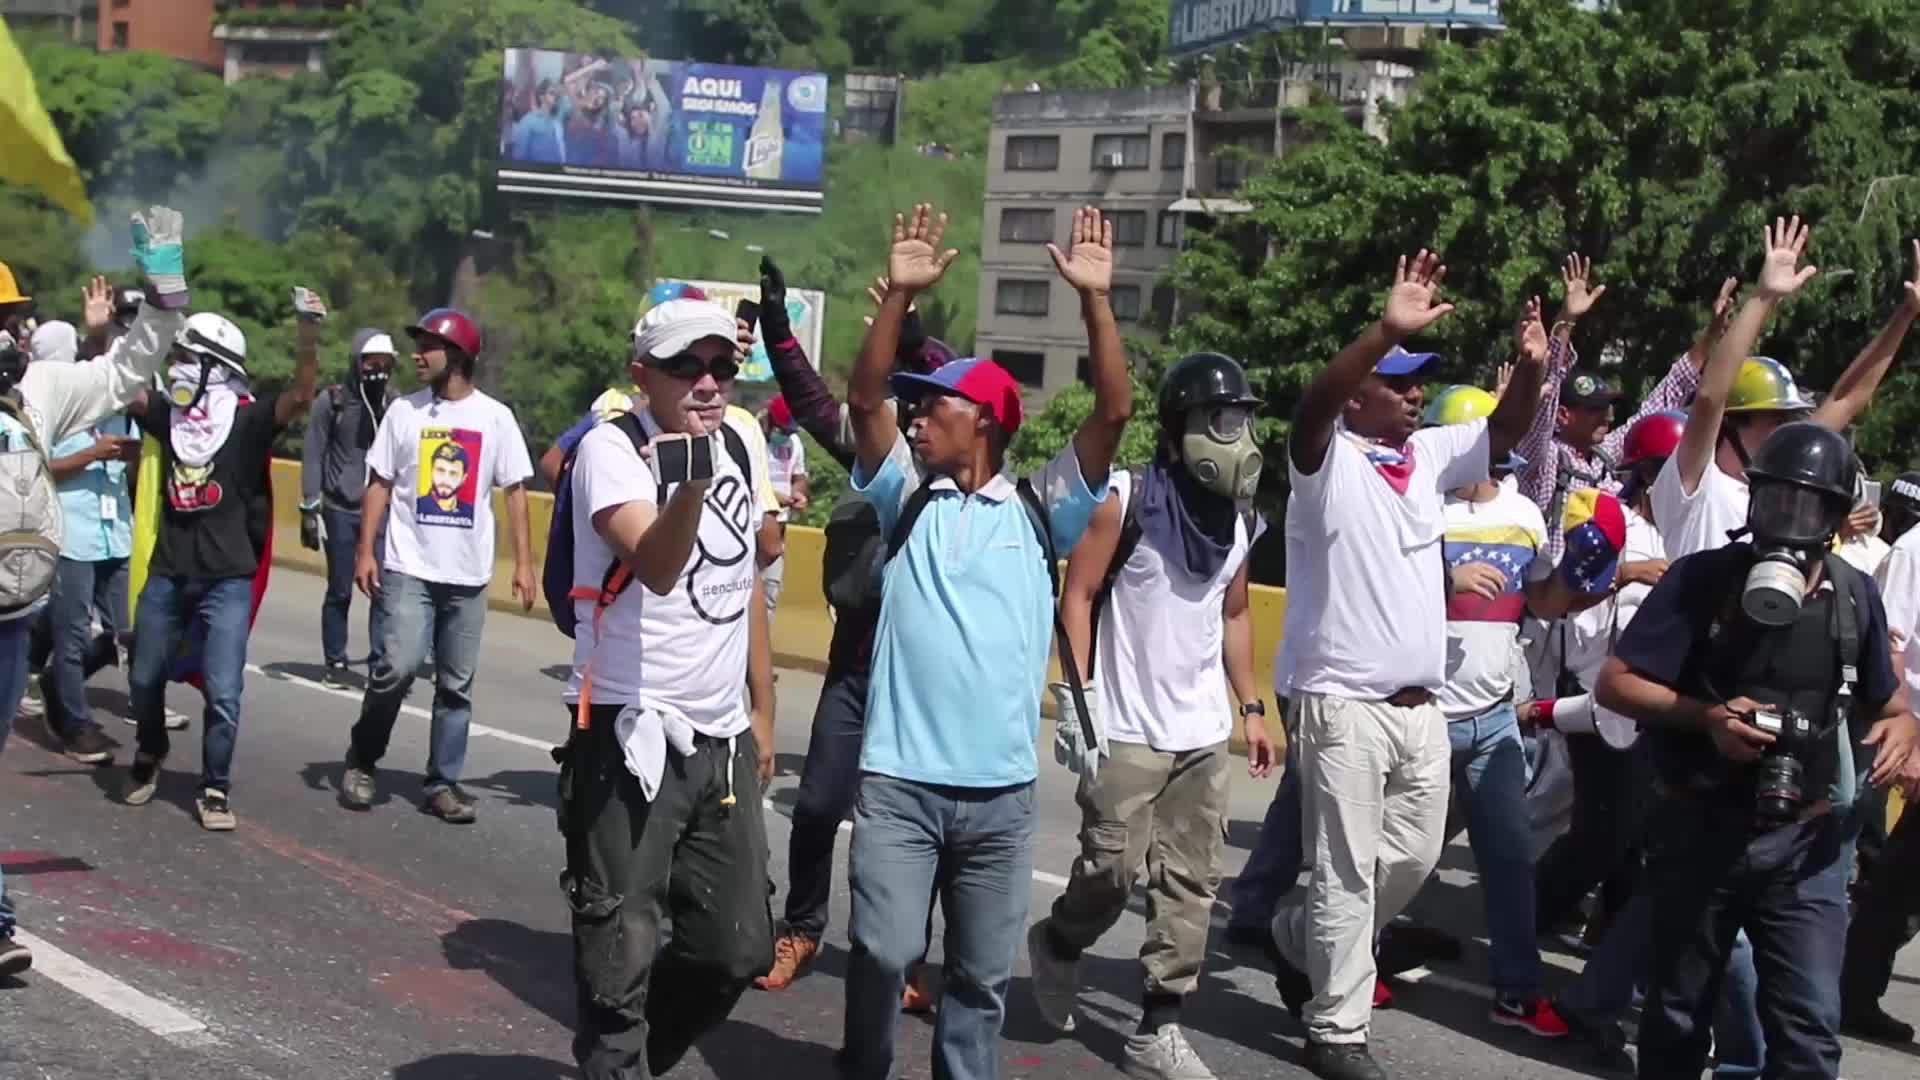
pixel 690 366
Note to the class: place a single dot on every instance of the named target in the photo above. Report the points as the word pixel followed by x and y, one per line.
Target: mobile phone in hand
pixel 748 312
pixel 1872 492
pixel 680 458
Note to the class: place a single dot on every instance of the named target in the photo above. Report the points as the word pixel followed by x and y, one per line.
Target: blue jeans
pixel 168 607
pixel 1273 866
pixel 1708 879
pixel 412 613
pixel 16 639
pixel 976 847
pixel 1490 778
pixel 343 539
pixel 80 589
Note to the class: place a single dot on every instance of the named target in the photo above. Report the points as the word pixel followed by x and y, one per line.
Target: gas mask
pixel 1792 529
pixel 373 393
pixel 187 380
pixel 1218 450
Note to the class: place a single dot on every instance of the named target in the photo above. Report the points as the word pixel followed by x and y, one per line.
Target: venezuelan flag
pixel 1509 549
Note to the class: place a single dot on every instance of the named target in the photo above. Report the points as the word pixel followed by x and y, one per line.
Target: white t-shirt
pixel 1864 553
pixel 1159 660
pixel 444 458
pixel 1699 522
pixel 684 653
pixel 1899 581
pixel 1590 634
pixel 786 459
pixel 1509 533
pixel 1366 590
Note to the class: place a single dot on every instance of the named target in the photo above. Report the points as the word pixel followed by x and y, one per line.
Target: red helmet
pixel 451 327
pixel 1653 437
pixel 779 413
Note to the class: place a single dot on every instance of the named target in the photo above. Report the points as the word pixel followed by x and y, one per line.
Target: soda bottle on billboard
pixel 765 142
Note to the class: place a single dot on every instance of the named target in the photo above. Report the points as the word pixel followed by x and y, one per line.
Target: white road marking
pixel 109 993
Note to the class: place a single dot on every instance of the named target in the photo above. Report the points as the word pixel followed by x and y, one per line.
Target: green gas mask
pixel 1218 450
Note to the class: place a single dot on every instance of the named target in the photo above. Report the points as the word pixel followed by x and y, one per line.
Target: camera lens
pixel 1779 792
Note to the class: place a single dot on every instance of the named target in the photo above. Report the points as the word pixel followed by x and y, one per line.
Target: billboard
pixel 670 131
pixel 806 310
pixel 1204 24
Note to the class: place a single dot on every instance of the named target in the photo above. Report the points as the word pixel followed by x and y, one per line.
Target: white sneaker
pixel 1056 982
pixel 32 706
pixel 176 720
pixel 1163 1055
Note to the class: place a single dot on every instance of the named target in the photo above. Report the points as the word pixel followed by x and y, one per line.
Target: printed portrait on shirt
pixel 448 477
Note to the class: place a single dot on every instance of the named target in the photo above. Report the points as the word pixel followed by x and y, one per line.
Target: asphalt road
pixel 319 943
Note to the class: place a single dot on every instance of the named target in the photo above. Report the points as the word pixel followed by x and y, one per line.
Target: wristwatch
pixel 1253 708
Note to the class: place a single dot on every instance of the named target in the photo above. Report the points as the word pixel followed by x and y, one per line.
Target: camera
pixel 1780 790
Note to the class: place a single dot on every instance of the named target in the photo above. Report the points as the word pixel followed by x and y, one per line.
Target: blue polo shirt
pixel 90 534
pixel 966 622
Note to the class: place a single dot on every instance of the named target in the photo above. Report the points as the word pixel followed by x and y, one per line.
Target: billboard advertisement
pixel 1204 24
pixel 670 131
pixel 806 310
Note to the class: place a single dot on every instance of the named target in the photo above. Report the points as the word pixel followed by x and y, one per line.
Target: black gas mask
pixel 1793 528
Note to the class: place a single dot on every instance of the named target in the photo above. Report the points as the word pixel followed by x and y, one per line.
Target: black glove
pixel 774 325
pixel 310 530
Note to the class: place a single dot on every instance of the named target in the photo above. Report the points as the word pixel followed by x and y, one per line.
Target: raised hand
pixel 877 292
pixel 1723 305
pixel 157 248
pixel 1782 275
pixel 308 305
pixel 1912 298
pixel 1414 304
pixel 1088 263
pixel 1501 377
pixel 1531 340
pixel 1577 273
pixel 96 305
pixel 916 261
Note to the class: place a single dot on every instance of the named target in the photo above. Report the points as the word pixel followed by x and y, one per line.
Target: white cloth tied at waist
pixel 644 732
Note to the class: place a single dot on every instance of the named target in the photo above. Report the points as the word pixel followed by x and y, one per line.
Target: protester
pixel 42 404
pixel 1156 604
pixel 333 481
pixel 436 458
pixel 1366 642
pixel 948 768
pixel 215 443
pixel 787 454
pixel 1701 495
pixel 1758 670
pixel 661 779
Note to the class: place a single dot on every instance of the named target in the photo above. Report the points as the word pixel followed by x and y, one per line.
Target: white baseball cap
pixel 671 328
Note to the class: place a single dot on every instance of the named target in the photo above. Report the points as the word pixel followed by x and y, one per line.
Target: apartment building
pixel 237 38
pixel 72 19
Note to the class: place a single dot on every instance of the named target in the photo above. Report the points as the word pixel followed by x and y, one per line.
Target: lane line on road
pixel 117 997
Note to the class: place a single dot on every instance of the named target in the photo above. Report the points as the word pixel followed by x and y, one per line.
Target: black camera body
pixel 1780 791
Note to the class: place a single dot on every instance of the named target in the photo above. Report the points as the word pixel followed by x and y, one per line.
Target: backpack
pixel 1042 523
pixel 556 575
pixel 1123 550
pixel 31 525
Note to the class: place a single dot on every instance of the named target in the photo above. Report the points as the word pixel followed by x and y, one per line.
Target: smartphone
pixel 748 312
pixel 1873 492
pixel 680 458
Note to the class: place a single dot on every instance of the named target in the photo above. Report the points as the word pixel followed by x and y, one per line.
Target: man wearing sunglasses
pixel 436 457
pixel 661 778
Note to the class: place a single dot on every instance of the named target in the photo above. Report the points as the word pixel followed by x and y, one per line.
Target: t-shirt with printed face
pixel 213 518
pixel 1366 588
pixel 684 653
pixel 444 458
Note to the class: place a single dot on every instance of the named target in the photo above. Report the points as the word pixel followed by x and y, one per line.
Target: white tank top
pixel 1158 658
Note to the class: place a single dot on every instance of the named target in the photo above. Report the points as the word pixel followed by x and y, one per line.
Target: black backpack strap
pixel 909 515
pixel 1122 551
pixel 1849 597
pixel 1042 523
pixel 737 450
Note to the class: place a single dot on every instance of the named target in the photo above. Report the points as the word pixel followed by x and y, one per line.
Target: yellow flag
pixel 34 157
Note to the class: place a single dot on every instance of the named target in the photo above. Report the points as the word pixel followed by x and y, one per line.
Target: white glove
pixel 1069 740
pixel 308 305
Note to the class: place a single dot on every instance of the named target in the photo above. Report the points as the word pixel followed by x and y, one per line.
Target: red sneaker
pixel 1536 1015
pixel 1382 994
pixel 917 998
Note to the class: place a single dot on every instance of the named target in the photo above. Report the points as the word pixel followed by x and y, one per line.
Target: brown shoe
pixel 918 997
pixel 792 956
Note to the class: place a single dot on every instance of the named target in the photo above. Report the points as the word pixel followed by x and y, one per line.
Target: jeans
pixel 1609 818
pixel 1490 776
pixel 1605 989
pixel 168 607
pixel 1273 866
pixel 414 612
pixel 829 781
pixel 1708 878
pixel 976 846
pixel 16 640
pixel 1884 921
pixel 682 867
pixel 343 539
pixel 80 589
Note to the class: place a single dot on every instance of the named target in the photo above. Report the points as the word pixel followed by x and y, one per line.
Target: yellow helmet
pixel 9 289
pixel 1765 385
pixel 1458 405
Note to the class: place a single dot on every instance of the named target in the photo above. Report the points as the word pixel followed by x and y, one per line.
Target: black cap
pixel 1904 495
pixel 1810 456
pixel 1205 379
pixel 1586 391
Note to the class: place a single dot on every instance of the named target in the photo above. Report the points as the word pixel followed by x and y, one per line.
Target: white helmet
pixel 214 337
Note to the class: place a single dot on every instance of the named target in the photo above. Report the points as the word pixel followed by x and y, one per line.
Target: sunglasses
pixel 690 367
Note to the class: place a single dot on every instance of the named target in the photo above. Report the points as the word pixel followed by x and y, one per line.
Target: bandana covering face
pixel 200 429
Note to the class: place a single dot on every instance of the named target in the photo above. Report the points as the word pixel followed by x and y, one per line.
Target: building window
pixel 286 53
pixel 1129 227
pixel 118 4
pixel 1126 303
pixel 1027 368
pixel 1121 151
pixel 1173 228
pixel 1021 297
pixel 1026 226
pixel 1163 297
pixel 120 35
pixel 1033 152
pixel 1173 151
